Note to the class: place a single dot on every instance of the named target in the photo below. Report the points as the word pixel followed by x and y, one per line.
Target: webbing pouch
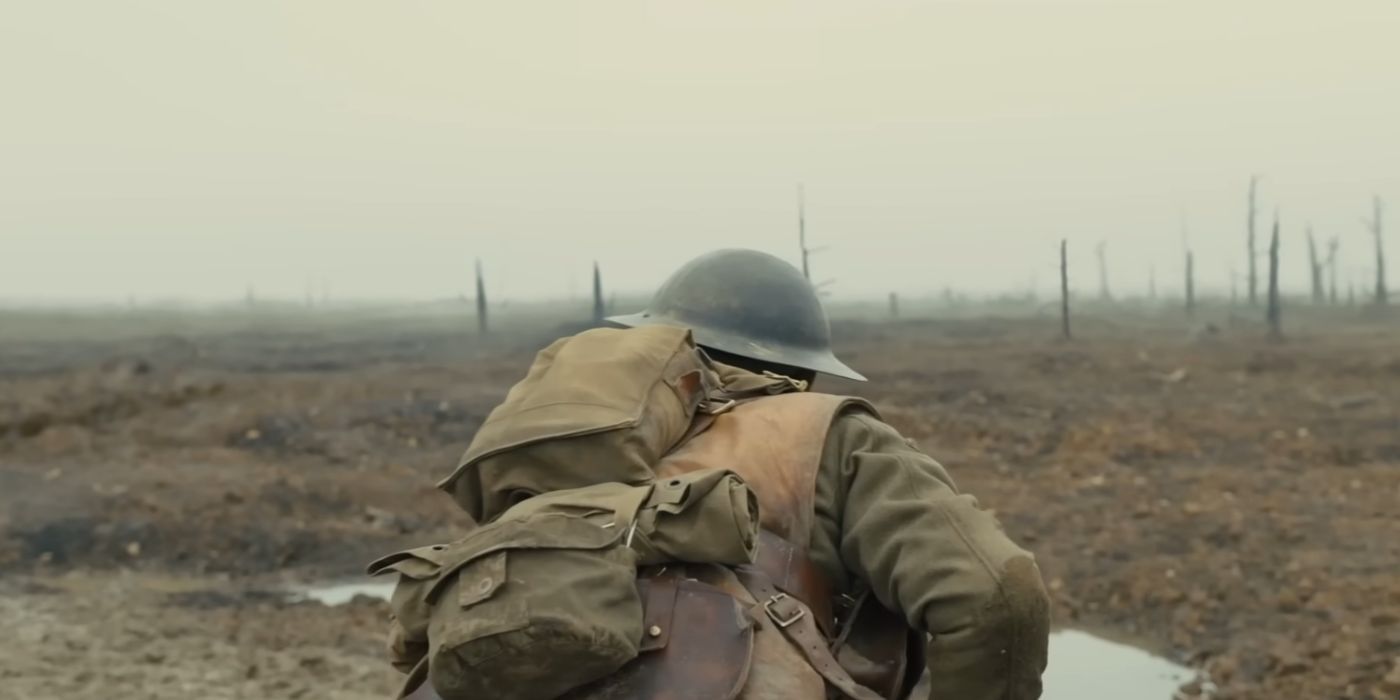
pixel 524 608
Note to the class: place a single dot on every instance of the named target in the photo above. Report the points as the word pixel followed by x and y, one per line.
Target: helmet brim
pixel 719 339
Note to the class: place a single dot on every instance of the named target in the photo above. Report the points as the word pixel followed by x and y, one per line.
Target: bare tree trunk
pixel 807 251
pixel 481 321
pixel 599 308
pixel 1152 283
pixel 1377 230
pixel 1253 256
pixel 802 232
pixel 894 305
pixel 1064 289
pixel 1103 272
pixel 1234 287
pixel 1332 246
pixel 1190 283
pixel 1315 267
pixel 1274 313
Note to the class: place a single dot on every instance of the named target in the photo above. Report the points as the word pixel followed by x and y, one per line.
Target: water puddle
pixel 1085 667
pixel 1082 666
pixel 344 591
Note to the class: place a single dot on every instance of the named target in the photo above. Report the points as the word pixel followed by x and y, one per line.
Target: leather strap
pixel 792 618
pixel 877 647
pixel 708 658
pixel 418 681
pixel 658 609
pixel 791 572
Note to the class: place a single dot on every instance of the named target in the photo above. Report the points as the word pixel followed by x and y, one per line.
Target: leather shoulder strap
pixel 791 572
pixel 775 443
pixel 795 621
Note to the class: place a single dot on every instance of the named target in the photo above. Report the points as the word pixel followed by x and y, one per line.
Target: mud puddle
pixel 1082 666
pixel 1086 667
pixel 342 592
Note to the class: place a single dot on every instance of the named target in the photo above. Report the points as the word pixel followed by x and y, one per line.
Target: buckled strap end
pixel 783 610
pixel 801 630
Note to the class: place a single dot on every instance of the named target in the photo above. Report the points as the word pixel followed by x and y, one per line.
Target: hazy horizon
pixel 163 150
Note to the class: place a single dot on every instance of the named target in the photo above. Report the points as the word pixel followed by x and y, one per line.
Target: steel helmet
pixel 749 304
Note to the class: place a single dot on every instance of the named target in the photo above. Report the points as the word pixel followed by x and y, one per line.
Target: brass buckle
pixel 769 607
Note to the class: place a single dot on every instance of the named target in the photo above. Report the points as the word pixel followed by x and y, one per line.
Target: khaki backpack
pixel 571 572
pixel 602 406
pixel 545 599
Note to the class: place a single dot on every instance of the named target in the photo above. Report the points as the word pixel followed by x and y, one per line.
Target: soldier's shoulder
pixel 861 418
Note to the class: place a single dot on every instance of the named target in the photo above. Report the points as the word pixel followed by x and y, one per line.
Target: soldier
pixel 869 569
pixel 869 511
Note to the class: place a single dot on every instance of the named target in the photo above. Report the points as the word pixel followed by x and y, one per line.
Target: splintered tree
pixel 481 324
pixel 1064 288
pixel 802 234
pixel 1250 247
pixel 1103 271
pixel 1190 267
pixel 807 251
pixel 1315 268
pixel 599 308
pixel 1332 245
pixel 1274 313
pixel 1375 224
pixel 1152 282
pixel 894 305
pixel 1190 282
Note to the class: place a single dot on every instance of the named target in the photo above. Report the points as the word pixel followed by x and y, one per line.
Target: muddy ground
pixel 164 479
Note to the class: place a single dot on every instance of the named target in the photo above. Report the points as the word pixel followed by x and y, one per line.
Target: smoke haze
pixel 370 149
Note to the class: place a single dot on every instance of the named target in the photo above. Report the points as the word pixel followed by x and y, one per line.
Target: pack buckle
pixel 783 610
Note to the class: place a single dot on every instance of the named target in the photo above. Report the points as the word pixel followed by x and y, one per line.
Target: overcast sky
pixel 192 149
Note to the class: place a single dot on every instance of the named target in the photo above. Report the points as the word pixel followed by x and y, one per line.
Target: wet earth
pixel 1083 666
pixel 1227 503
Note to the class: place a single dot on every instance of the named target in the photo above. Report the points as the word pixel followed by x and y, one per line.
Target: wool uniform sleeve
pixel 891 517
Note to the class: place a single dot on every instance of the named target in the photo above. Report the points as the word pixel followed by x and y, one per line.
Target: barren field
pixel 165 480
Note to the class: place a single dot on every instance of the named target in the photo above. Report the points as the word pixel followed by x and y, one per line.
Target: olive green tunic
pixel 892 517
